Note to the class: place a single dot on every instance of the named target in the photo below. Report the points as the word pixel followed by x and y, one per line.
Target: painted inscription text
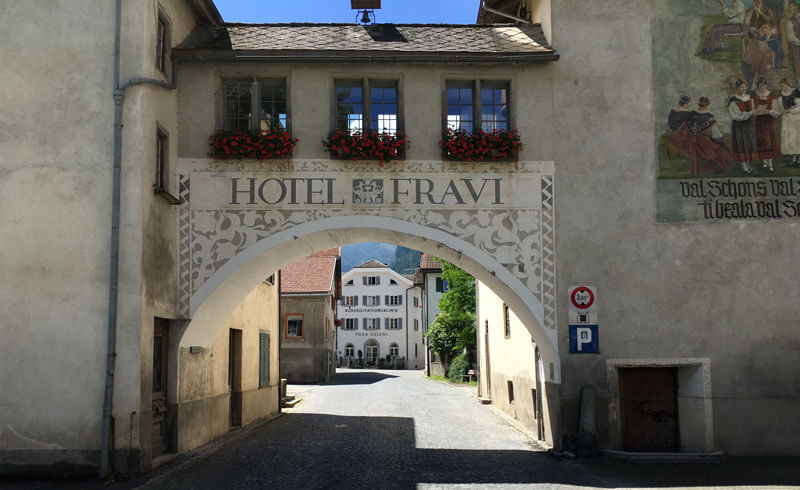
pixel 743 199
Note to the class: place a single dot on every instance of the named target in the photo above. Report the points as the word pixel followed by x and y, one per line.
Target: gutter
pixel 359 56
pixel 113 280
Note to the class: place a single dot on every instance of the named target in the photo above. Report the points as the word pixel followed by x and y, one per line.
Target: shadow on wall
pixel 359 378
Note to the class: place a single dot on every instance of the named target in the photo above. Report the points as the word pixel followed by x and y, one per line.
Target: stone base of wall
pixel 438 369
pixel 60 463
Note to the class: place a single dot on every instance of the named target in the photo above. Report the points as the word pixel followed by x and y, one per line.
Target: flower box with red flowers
pixel 480 146
pixel 227 144
pixel 371 145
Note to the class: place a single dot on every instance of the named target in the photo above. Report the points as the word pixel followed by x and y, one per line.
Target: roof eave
pixel 189 55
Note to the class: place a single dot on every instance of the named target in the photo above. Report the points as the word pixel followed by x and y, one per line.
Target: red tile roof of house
pixel 427 261
pixel 328 252
pixel 313 274
pixel 372 264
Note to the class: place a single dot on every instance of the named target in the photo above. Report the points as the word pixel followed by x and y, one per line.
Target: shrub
pixel 458 368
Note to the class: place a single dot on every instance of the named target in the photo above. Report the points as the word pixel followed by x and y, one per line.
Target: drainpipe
pixel 408 326
pixel 113 280
pixel 503 14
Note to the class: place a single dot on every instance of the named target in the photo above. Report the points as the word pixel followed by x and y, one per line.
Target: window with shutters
pixel 372 323
pixel 394 300
pixel 263 356
pixel 372 300
pixel 441 285
pixel 372 280
pixel 349 324
pixel 351 300
pixel 416 301
pixel 394 323
pixel 416 324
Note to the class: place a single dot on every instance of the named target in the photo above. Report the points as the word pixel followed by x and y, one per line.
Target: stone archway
pixel 240 221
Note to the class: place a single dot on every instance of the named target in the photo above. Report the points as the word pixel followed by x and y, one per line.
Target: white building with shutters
pixel 381 319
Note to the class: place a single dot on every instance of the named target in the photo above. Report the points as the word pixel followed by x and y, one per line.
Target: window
pixel 349 283
pixel 394 350
pixel 416 324
pixel 441 285
pixel 270 280
pixel 372 323
pixel 394 323
pixel 394 300
pixel 510 385
pixel 416 354
pixel 488 112
pixel 392 282
pixel 349 323
pixel 162 42
pixel 351 300
pixel 263 359
pixel 372 300
pixel 255 104
pixel 372 280
pixel 506 320
pixel 416 301
pixel 348 350
pixel 362 104
pixel 162 159
pixel 294 325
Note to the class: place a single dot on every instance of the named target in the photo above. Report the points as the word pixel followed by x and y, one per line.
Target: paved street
pixel 397 429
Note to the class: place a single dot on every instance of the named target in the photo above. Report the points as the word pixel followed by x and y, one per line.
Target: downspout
pixel 108 396
pixel 408 326
pixel 113 280
pixel 503 14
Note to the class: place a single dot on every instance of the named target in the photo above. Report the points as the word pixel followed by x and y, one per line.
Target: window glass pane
pixel 494 109
pixel 272 113
pixel 383 114
pixel 452 95
pixel 237 105
pixel 349 107
pixel 459 108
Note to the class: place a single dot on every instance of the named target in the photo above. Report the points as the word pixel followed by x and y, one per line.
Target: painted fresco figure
pixel 767 137
pixel 715 39
pixel 679 119
pixel 792 36
pixel 790 122
pixel 743 129
pixel 708 149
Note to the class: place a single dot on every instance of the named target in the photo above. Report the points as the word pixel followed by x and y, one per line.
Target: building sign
pixel 370 310
pixel 727 111
pixel 582 315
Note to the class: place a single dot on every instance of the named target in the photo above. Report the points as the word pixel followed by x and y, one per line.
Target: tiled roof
pixel 377 40
pixel 372 264
pixel 426 261
pixel 329 252
pixel 309 275
pixel 418 277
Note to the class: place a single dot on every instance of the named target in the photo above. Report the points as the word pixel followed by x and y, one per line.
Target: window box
pixel 384 147
pixel 480 146
pixel 228 144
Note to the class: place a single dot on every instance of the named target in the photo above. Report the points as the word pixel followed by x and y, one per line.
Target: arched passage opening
pixel 218 297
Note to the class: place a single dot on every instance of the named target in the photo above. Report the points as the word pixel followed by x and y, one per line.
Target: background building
pixel 310 288
pixel 380 318
pixel 433 285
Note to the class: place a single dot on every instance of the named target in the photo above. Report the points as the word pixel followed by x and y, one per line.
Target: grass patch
pixel 447 380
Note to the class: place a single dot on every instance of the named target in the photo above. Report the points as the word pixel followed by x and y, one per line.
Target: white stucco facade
pixel 380 316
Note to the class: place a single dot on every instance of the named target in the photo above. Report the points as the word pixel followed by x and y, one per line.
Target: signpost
pixel 583 331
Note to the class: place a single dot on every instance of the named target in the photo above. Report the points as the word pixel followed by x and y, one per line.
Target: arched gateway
pixel 241 221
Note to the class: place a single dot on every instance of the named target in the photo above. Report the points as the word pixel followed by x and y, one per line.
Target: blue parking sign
pixel 583 339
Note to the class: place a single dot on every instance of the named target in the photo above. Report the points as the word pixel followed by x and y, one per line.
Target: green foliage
pixel 443 335
pixel 458 368
pixel 460 297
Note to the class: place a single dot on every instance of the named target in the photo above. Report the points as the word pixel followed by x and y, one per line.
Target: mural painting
pixel 727 109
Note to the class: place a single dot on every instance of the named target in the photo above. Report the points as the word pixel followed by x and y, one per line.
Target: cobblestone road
pixel 397 429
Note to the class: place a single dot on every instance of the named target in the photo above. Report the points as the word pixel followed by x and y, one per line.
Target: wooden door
pixel 648 406
pixel 159 395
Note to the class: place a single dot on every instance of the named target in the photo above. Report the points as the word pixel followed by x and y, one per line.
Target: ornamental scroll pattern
pixel 511 236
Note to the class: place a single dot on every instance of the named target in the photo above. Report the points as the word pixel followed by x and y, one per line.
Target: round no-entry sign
pixel 582 297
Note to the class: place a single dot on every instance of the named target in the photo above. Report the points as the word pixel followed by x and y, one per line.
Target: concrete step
pixel 290 403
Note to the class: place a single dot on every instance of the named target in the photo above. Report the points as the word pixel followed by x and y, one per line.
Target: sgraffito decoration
pixel 505 210
pixel 727 109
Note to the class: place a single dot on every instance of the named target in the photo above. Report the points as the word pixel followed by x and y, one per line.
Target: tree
pixel 453 330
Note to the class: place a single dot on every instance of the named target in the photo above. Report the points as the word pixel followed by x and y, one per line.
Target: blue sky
pixel 392 11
